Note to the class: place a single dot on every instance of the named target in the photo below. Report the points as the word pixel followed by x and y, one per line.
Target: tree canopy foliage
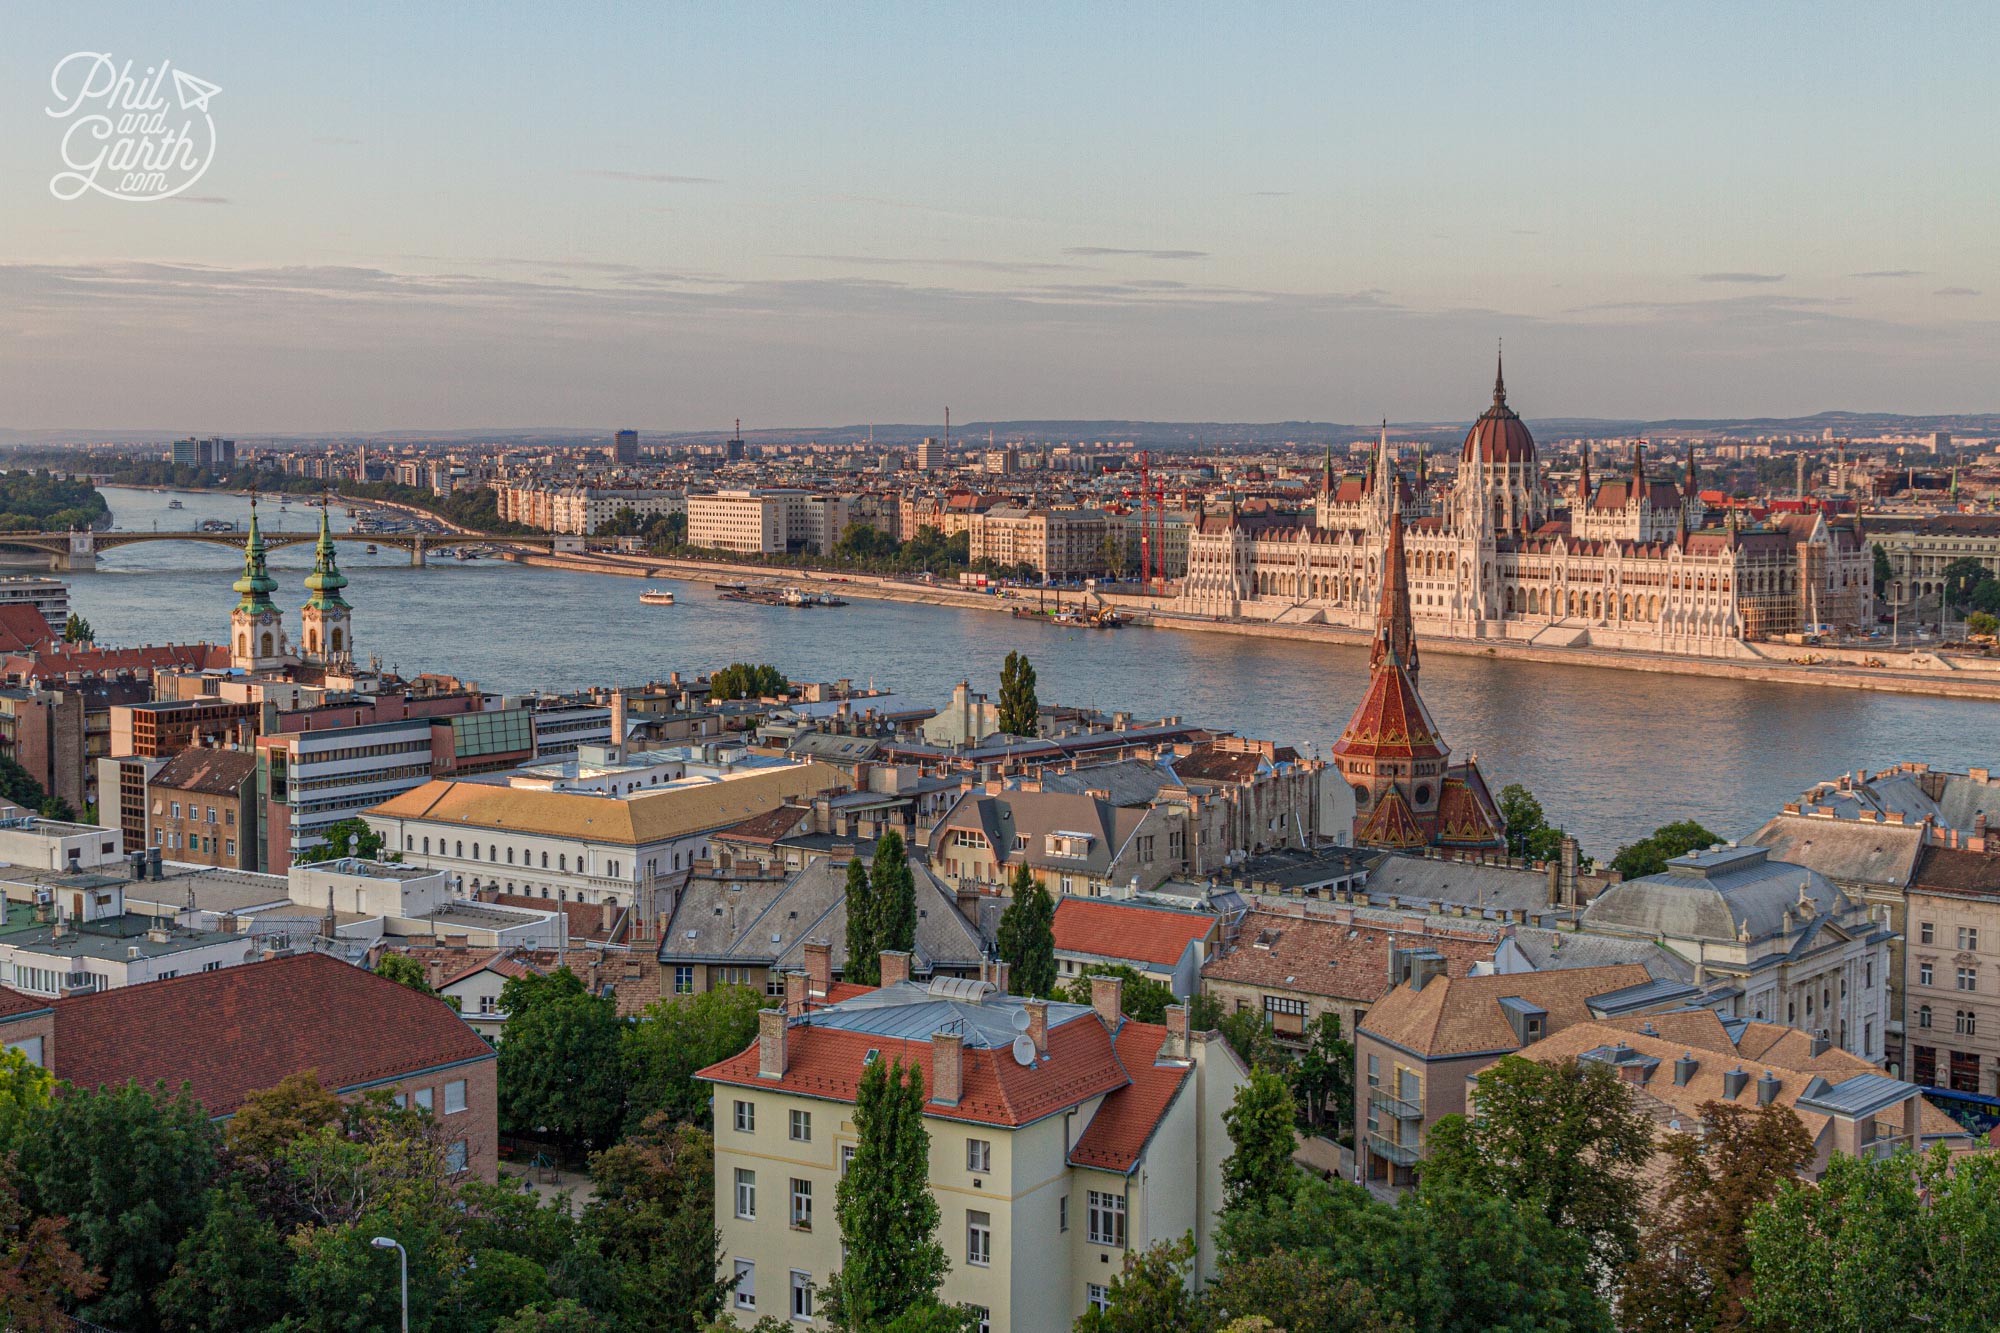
pixel 746 680
pixel 1027 936
pixel 39 500
pixel 1649 855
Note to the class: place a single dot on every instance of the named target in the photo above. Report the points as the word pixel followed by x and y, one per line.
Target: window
pixel 1285 1017
pixel 489 1004
pixel 1968 978
pixel 1062 1213
pixel 424 1096
pixel 1374 1071
pixel 746 1117
pixel 454 1096
pixel 1923 1016
pixel 1968 938
pixel 746 1194
pixel 746 1285
pixel 802 1126
pixel 1867 973
pixel 802 1205
pixel 985 1317
pixel 802 1295
pixel 979 1155
pixel 1926 933
pixel 1099 1296
pixel 1923 974
pixel 979 1238
pixel 1107 1219
pixel 454 1157
pixel 683 981
pixel 177 809
pixel 229 846
pixel 1967 1024
pixel 400 1100
pixel 846 1158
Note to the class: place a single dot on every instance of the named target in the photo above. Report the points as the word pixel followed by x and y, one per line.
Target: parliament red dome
pixel 1499 436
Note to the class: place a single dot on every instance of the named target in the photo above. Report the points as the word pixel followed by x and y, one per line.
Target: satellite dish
pixel 1021 1020
pixel 1024 1052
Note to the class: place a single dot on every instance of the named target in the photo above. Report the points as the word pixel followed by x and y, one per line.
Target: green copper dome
pixel 256 585
pixel 326 580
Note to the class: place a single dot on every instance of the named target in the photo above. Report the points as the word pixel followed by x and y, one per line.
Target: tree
pixel 654 1214
pixel 231 1273
pixel 563 1316
pixel 130 1169
pixel 1884 573
pixel 864 939
pixel 1982 622
pixel 1323 1079
pixel 404 971
pixel 1151 1294
pixel 1649 855
pixel 1020 712
pixel 1245 1030
pixel 1986 597
pixel 24 1094
pixel 1846 1252
pixel 675 1038
pixel 1693 1268
pixel 337 838
pixel 1960 577
pixel 1562 1137
pixel 39 1273
pixel 743 680
pixel 1260 1123
pixel 272 1119
pixel 77 630
pixel 1141 999
pixel 560 1069
pixel 18 786
pixel 1528 831
pixel 1027 936
pixel 1301 1292
pixel 1112 553
pixel 887 1214
pixel 895 889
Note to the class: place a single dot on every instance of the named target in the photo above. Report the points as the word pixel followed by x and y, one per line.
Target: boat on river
pixel 656 597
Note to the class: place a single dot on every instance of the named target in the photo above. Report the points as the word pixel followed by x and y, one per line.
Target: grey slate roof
pixel 911 1011
pixel 1864 1094
pixel 1718 895
pixel 1951 799
pixel 1033 816
pixel 1417 879
pixel 1129 781
pixel 1549 949
pixel 1853 851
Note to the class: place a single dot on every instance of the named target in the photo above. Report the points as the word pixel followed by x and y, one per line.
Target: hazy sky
pixel 434 216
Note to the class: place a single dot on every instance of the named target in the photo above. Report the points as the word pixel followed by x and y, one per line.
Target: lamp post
pixel 403 1262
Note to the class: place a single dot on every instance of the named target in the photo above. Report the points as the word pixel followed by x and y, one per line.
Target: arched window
pixel 1924 1016
pixel 337 640
pixel 267 643
pixel 459 849
pixel 427 846
pixel 510 856
pixel 562 861
pixel 545 860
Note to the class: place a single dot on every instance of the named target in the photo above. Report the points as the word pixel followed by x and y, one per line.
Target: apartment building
pixel 1070 843
pixel 766 521
pixel 1952 982
pixel 1921 548
pixel 1063 1138
pixel 202 809
pixel 1166 944
pixel 1055 543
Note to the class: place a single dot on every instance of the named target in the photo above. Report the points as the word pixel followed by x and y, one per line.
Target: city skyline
pixel 426 222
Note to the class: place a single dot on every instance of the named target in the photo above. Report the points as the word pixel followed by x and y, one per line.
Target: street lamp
pixel 403 1261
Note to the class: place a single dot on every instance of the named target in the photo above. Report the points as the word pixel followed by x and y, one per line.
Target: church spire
pixel 1500 376
pixel 1694 478
pixel 256 585
pixel 1638 471
pixel 326 580
pixel 1583 479
pixel 1395 637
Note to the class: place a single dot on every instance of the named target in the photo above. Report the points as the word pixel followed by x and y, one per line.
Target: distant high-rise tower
pixel 326 630
pixel 256 627
pixel 625 448
pixel 930 456
pixel 732 452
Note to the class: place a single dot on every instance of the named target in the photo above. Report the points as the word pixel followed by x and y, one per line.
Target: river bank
pixel 1917 672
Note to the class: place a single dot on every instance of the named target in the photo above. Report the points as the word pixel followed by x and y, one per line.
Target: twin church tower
pixel 257 627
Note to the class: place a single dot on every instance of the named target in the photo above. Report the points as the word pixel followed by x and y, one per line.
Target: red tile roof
pixel 827 1063
pixel 1126 1119
pixel 1391 722
pixel 236 1031
pixel 1126 930
pixel 14 1005
pixel 23 628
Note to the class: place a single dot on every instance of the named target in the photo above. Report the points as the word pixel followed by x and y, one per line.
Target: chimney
pixel 1767 1089
pixel 1038 1024
pixel 947 1067
pixel 1000 969
pixel 607 916
pixel 819 967
pixel 1177 1031
pixel 1821 1043
pixel 771 1043
pixel 1684 1069
pixel 1107 999
pixel 796 993
pixel 1977 842
pixel 895 966
pixel 1733 1083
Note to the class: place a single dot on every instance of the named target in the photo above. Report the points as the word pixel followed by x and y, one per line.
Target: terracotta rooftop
pixel 1454 1016
pixel 238 1030
pixel 1126 1119
pixel 1105 928
pixel 1349 959
pixel 211 772
pixel 1957 871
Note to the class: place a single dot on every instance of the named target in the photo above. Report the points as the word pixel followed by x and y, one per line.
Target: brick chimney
pixel 771 1043
pixel 895 966
pixel 1038 1024
pixel 1177 1032
pixel 607 915
pixel 618 723
pixel 1107 999
pixel 947 1067
pixel 819 967
pixel 795 992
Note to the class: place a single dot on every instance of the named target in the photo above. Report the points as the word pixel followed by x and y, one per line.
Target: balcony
pixel 1390 1151
pixel 1395 1105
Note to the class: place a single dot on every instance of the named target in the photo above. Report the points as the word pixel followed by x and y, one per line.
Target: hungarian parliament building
pixel 1630 562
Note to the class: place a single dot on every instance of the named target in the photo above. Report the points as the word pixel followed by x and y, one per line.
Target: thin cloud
pixel 1956 291
pixel 1103 251
pixel 199 198
pixel 1270 194
pixel 911 261
pixel 1889 273
pixel 1739 277
pixel 650 177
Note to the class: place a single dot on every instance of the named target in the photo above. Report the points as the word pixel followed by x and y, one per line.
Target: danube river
pixel 1611 754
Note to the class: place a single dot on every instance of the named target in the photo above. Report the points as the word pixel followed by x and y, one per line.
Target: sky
pixel 449 216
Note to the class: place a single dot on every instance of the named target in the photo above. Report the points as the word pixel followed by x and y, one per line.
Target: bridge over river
pixel 78 550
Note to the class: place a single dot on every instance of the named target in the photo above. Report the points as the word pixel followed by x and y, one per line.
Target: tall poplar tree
pixel 863 946
pixel 895 895
pixel 887 1214
pixel 1020 711
pixel 1027 937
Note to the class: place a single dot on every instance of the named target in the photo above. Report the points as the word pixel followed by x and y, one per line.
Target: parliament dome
pixel 1499 436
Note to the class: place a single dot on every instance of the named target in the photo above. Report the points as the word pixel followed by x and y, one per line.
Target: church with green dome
pixel 257 637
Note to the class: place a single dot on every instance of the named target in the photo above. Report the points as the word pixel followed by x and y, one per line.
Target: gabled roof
pixel 239 1030
pixel 1856 850
pixel 1465 1016
pixel 1956 871
pixel 1391 823
pixel 1106 928
pixel 1391 721
pixel 1346 957
pixel 1467 815
pixel 211 772
pixel 1126 1120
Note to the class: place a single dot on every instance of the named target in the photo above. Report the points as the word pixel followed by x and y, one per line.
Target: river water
pixel 1610 754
